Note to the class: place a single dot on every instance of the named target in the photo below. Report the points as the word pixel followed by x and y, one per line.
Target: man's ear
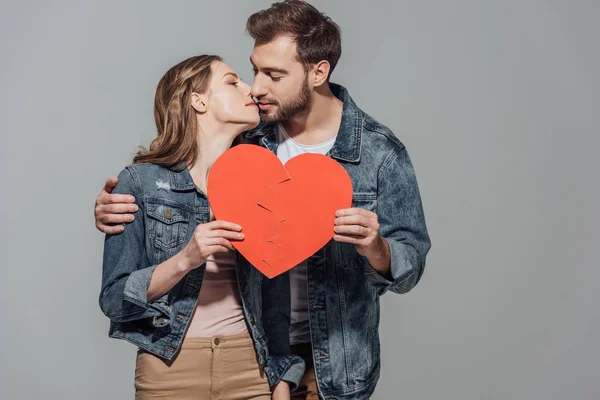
pixel 320 72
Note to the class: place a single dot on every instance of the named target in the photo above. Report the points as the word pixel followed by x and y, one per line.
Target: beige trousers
pixel 218 368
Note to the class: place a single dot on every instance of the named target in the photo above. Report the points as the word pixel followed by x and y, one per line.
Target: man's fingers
pixel 110 184
pixel 115 218
pixel 346 239
pixel 353 220
pixel 105 199
pixel 352 211
pixel 117 208
pixel 353 230
pixel 120 198
pixel 110 230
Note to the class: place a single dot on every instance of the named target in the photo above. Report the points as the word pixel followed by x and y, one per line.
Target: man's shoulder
pixel 374 132
pixel 380 133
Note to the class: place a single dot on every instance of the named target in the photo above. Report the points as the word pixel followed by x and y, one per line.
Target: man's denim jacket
pixel 343 289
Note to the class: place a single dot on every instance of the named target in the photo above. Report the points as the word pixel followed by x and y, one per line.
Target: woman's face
pixel 230 100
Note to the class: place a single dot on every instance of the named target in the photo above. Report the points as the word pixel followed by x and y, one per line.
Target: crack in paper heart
pixel 276 253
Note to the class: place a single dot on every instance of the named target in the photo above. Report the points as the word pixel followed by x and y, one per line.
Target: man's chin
pixel 269 117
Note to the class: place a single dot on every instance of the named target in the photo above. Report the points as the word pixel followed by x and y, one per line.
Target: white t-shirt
pixel 299 329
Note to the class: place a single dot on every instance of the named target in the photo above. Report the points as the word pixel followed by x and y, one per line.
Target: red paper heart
pixel 286 212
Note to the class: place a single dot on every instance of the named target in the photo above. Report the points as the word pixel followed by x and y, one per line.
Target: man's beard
pixel 291 108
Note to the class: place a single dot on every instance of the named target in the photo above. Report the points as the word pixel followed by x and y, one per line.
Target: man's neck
pixel 320 123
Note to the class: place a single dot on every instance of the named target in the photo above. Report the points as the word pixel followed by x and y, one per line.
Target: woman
pixel 169 282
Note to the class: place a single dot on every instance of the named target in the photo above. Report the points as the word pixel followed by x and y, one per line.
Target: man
pixel 380 243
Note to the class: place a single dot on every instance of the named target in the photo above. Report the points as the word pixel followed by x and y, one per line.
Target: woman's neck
pixel 211 144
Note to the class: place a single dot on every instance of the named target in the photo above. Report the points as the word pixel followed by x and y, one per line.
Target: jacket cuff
pixel 136 292
pixel 289 368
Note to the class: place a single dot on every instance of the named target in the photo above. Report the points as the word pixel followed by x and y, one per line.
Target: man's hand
pixel 113 209
pixel 281 391
pixel 361 228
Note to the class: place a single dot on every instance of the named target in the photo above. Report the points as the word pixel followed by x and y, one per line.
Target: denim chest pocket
pixel 167 224
pixel 368 201
pixel 348 257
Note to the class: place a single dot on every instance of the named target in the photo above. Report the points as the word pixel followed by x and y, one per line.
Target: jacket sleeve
pixel 126 270
pixel 402 224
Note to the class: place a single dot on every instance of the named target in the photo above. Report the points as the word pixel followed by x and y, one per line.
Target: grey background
pixel 497 102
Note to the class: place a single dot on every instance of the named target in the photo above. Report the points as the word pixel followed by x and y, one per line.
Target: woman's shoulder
pixel 144 175
pixel 142 168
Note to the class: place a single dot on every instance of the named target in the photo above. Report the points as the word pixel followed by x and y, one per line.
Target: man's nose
pixel 258 88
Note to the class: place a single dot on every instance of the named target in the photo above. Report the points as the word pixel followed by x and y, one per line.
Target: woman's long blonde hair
pixel 173 113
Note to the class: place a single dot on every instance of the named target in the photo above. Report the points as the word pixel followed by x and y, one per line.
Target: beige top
pixel 219 310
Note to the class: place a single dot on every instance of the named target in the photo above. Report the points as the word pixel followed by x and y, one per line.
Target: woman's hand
pixel 210 238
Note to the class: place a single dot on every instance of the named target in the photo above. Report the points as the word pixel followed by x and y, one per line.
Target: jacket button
pixel 168 214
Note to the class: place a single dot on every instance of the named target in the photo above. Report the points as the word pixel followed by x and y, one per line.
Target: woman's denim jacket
pixel 170 208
